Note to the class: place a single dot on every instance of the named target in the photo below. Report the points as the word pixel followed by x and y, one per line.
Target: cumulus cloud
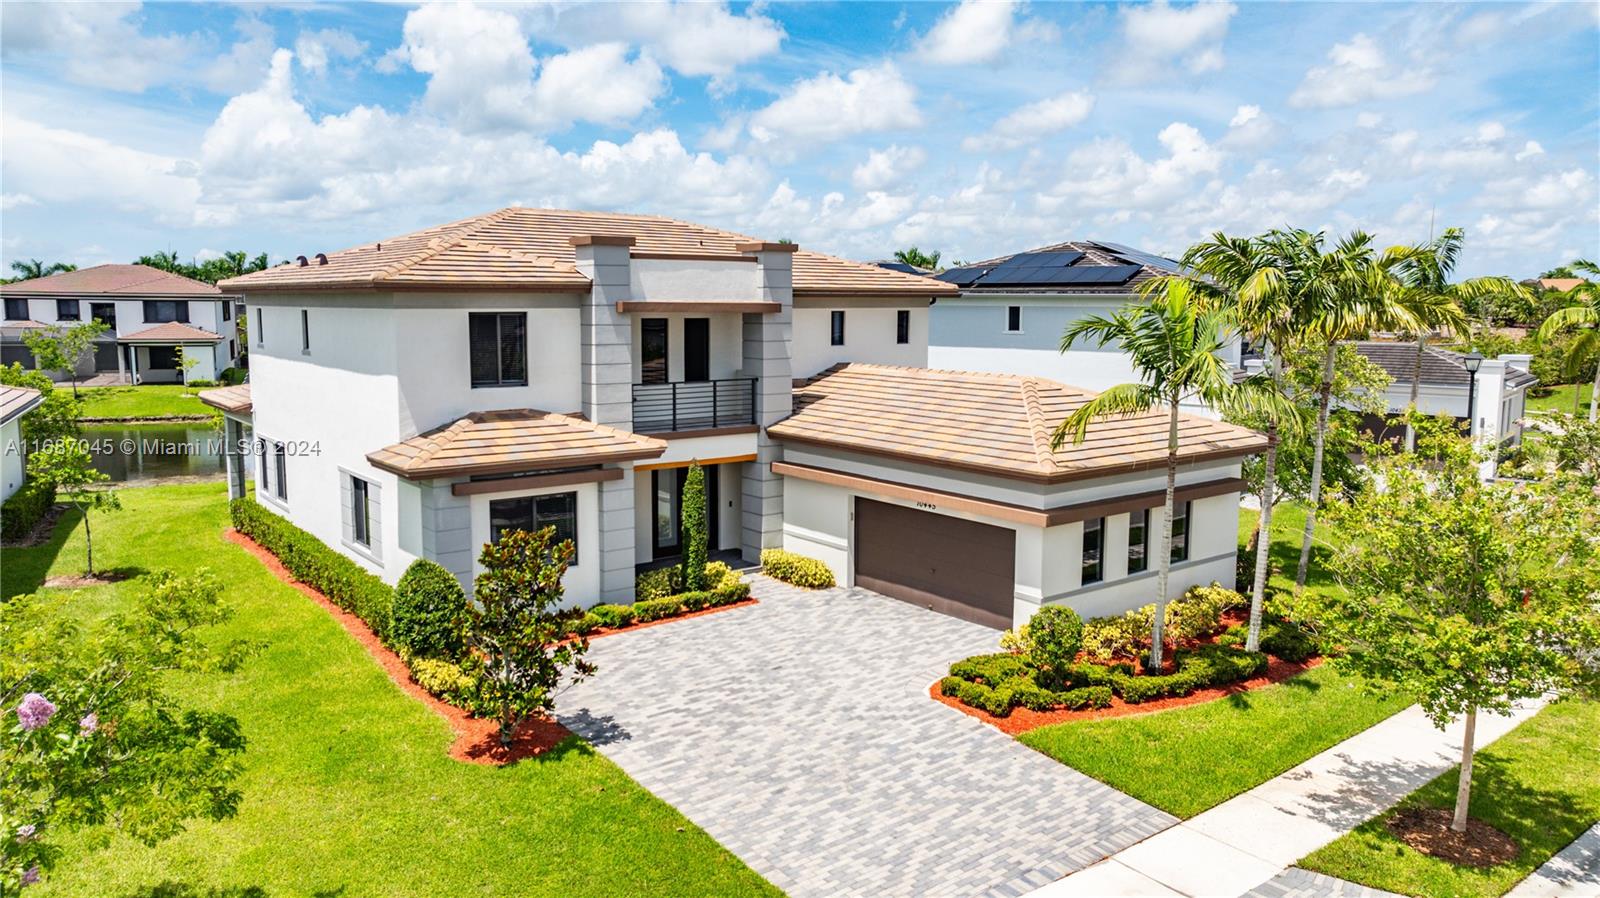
pixel 1110 173
pixel 1026 124
pixel 828 107
pixel 316 49
pixel 887 167
pixel 980 31
pixel 9 201
pixel 1358 72
pixel 1159 38
pixel 95 44
pixel 61 166
pixel 242 66
pixel 691 38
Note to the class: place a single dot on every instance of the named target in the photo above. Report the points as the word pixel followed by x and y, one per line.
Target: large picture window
pixel 160 311
pixel 1180 531
pixel 532 513
pixel 1139 541
pixel 1094 541
pixel 498 343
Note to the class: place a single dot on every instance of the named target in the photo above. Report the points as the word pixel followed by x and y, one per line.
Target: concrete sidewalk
pixel 1252 837
pixel 1573 873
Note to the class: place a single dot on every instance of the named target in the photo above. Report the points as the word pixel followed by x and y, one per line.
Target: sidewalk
pixel 1573 873
pixel 1252 837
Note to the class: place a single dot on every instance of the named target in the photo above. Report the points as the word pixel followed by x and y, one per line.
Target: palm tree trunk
pixel 1464 781
pixel 1164 571
pixel 1594 394
pixel 1416 388
pixel 1325 397
pixel 1258 590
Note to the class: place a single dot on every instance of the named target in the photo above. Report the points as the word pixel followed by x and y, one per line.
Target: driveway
pixel 799 733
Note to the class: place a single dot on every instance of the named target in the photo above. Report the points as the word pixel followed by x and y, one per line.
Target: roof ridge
pixel 1037 428
pixel 437 244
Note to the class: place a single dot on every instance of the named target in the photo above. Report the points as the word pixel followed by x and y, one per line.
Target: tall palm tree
pixel 1427 294
pixel 1583 314
pixel 917 258
pixel 33 268
pixel 1173 341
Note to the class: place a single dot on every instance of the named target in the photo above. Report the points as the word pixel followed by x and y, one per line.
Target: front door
pixel 666 490
pixel 696 349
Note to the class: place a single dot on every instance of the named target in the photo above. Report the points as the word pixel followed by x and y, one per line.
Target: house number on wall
pixel 928 505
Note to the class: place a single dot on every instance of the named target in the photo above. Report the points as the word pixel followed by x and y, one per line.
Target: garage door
pixel 953 566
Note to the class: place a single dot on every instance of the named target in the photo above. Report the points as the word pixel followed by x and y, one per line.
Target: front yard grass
pixel 1540 784
pixel 1186 760
pixel 348 789
pixel 1561 398
pixel 142 401
pixel 1288 525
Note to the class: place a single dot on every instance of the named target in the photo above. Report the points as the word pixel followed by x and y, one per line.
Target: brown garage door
pixel 953 566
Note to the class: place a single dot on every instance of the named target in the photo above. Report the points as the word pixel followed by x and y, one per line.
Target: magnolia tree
pixel 520 651
pixel 89 735
pixel 1466 596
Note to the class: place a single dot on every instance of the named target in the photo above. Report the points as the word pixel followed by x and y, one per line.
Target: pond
pixel 129 452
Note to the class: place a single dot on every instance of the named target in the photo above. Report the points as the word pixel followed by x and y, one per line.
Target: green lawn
pixel 349 790
pixel 1540 784
pixel 1189 759
pixel 143 401
pixel 1561 399
pixel 1288 526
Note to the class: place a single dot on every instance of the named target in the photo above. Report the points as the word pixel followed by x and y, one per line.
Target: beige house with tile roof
pixel 416 396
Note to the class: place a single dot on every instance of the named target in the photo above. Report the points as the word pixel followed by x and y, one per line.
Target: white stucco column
pixel 1487 428
pixel 766 357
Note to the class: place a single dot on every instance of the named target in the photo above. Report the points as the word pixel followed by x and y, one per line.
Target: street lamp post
pixel 1472 360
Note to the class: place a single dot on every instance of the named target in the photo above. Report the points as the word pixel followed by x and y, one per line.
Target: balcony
pixel 694 405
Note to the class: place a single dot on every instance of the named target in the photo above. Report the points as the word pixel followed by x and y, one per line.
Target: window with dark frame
pixel 533 513
pixel 16 309
pixel 233 350
pixel 1013 318
pixel 902 326
pixel 105 313
pixel 360 512
pixel 305 330
pixel 161 311
pixel 653 351
pixel 1139 541
pixel 498 342
pixel 261 327
pixel 66 310
pixel 1094 541
pixel 227 311
pixel 836 327
pixel 280 463
pixel 1180 531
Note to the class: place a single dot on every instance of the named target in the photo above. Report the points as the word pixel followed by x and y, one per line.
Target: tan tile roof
pixel 510 441
pixel 531 249
pixel 1560 285
pixel 229 399
pixel 16 400
pixel 127 280
pixel 175 331
pixel 993 423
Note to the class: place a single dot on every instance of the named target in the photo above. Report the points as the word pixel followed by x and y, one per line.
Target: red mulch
pixel 477 740
pixel 1428 831
pixel 1022 720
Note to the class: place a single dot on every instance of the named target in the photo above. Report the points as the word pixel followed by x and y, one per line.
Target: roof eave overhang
pixel 519 467
pixel 388 286
pixel 31 404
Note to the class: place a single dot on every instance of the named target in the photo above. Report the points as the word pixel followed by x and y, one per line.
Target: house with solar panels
pixel 1012 311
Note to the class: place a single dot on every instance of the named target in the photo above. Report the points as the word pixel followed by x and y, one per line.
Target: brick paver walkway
pixel 1297 883
pixel 798 732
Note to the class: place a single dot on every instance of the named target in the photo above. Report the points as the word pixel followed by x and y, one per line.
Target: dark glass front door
pixel 666 490
pixel 696 349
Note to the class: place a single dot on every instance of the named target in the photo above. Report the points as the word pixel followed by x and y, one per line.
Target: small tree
pixel 520 654
pixel 186 363
pixel 67 465
pixel 1464 595
pixel 692 522
pixel 58 348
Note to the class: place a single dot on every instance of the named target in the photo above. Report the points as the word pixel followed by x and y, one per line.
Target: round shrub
pixel 1057 634
pixel 429 618
pixel 798 570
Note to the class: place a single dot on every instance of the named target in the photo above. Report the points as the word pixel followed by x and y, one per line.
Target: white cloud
pixel 1529 150
pixel 1158 38
pixel 61 166
pixel 245 62
pixel 887 167
pixel 316 49
pixel 1109 173
pixel 9 201
pixel 1368 119
pixel 980 31
pixel 598 84
pixel 96 44
pixel 691 38
pixel 1357 73
pixel 1028 123
pixel 828 107
pixel 1250 128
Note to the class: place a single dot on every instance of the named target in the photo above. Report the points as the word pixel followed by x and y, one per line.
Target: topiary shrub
pixel 430 610
pixel 1057 633
pixel 798 570
pixel 613 616
pixel 693 528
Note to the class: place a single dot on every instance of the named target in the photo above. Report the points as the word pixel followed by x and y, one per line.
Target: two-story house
pixel 156 320
pixel 416 396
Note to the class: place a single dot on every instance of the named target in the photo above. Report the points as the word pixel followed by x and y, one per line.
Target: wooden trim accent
pixel 932 292
pixel 509 467
pixel 762 246
pixel 863 302
pixel 696 257
pixel 600 240
pixel 705 432
pixel 1101 508
pixel 683 305
pixel 704 462
pixel 560 478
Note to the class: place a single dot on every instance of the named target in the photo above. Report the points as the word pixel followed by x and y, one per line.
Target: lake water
pixel 129 452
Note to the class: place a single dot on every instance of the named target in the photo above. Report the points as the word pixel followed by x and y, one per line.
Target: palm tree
pixel 1173 341
pixel 33 268
pixel 917 258
pixel 1584 314
pixel 1427 294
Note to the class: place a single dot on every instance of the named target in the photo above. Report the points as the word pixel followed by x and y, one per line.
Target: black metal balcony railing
pixel 694 405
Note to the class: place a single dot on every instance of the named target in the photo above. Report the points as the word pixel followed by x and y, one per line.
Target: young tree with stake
pixel 67 465
pixel 61 349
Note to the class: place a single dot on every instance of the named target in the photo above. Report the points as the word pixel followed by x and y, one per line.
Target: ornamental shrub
pixel 442 679
pixel 1123 636
pixel 1057 634
pixel 310 561
pixel 798 570
pixel 1198 612
pixel 657 584
pixel 22 512
pixel 730 593
pixel 1281 639
pixel 720 576
pixel 613 616
pixel 991 669
pixel 656 609
pixel 430 610
pixel 1016 641
pixel 693 528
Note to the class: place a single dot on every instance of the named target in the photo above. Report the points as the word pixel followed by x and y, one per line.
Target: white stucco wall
pixel 705 280
pixel 11 458
pixel 869 336
pixel 727 343
pixel 582 581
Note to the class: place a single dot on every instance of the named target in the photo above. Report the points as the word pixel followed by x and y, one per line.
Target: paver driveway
pixel 799 733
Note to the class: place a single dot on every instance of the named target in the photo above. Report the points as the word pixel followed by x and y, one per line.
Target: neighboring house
pixel 156 319
pixel 239 441
pixel 1500 394
pixel 14 403
pixel 1559 285
pixel 414 397
pixel 1013 310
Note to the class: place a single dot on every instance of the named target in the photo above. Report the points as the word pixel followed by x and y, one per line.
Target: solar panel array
pixel 1048 269
pixel 1159 263
pixel 962 277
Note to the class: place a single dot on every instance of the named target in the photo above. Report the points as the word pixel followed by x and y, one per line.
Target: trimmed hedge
pixel 658 584
pixel 796 569
pixel 430 610
pixel 1282 639
pixel 27 505
pixel 311 562
pixel 724 588
pixel 1001 699
pixel 1205 665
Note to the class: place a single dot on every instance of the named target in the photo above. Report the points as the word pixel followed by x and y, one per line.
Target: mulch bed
pixel 477 740
pixel 76 581
pixel 612 631
pixel 1428 831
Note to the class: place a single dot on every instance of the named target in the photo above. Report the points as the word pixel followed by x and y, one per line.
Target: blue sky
pixel 975 129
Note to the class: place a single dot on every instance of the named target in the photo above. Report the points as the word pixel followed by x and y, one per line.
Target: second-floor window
pixel 160 311
pixel 1139 541
pixel 902 326
pixel 1180 531
pixel 261 326
pixel 305 330
pixel 836 328
pixel 227 311
pixel 105 313
pixel 498 343
pixel 66 310
pixel 16 310
pixel 653 351
pixel 1094 538
pixel 1014 319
